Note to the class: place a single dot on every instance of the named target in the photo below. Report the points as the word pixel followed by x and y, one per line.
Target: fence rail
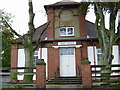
pixel 10 68
pixel 6 73
pixel 97 77
pixel 114 65
pixel 98 71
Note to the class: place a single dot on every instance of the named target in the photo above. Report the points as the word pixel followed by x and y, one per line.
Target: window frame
pixel 67 51
pixel 66 31
pixel 99 52
pixel 36 54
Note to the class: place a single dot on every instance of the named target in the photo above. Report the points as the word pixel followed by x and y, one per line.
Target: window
pixel 67 31
pixel 99 55
pixel 67 51
pixel 35 57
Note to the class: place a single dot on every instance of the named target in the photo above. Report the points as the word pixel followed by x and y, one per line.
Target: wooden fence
pixel 95 71
pixel 97 77
pixel 8 71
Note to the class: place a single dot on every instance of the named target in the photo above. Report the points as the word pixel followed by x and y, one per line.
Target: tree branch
pixel 31 19
pixel 102 23
pixel 37 42
pixel 97 28
pixel 12 28
pixel 118 33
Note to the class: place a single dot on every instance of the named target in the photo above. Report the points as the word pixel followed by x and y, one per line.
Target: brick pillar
pixel 14 56
pixel 86 74
pixel 14 63
pixel 82 25
pixel 41 74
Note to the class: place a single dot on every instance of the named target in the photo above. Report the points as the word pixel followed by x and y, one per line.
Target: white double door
pixel 67 62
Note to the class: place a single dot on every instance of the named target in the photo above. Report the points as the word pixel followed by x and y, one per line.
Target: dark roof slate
pixel 38 32
pixel 63 3
pixel 91 29
pixel 59 4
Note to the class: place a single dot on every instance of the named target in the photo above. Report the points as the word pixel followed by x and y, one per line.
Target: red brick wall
pixel 86 76
pixel 40 76
pixel 54 58
pixel 82 24
pixel 84 49
pixel 50 30
pixel 51 63
pixel 14 56
pixel 78 61
pixel 57 61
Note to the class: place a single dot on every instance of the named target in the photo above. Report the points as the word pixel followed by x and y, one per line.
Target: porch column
pixel 84 50
pixel 51 63
pixel 78 61
pixel 57 62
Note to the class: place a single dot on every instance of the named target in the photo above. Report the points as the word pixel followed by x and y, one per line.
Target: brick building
pixel 68 39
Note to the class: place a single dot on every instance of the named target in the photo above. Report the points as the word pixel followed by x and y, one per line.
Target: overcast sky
pixel 19 8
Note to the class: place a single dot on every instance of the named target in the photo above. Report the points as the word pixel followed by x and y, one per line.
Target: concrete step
pixel 65 80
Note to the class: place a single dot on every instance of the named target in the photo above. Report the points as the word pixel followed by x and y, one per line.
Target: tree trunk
pixel 28 46
pixel 106 39
pixel 29 58
pixel 1 48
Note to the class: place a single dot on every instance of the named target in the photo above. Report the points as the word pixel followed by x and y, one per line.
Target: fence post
pixel 86 73
pixel 40 74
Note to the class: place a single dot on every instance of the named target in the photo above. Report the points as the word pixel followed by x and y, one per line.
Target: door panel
pixel 67 62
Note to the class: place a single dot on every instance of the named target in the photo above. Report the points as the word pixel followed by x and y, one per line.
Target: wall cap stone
pixel 85 61
pixel 40 62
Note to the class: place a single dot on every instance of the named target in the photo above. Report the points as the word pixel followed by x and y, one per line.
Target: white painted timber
pixel 21 61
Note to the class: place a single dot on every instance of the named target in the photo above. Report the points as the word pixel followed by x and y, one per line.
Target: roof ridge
pixel 67 1
pixel 89 21
pixel 42 25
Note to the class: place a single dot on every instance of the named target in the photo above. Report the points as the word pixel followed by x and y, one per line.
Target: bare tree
pixel 27 41
pixel 107 37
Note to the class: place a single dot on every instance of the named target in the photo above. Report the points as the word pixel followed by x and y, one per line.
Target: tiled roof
pixel 91 30
pixel 59 4
pixel 63 3
pixel 39 30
